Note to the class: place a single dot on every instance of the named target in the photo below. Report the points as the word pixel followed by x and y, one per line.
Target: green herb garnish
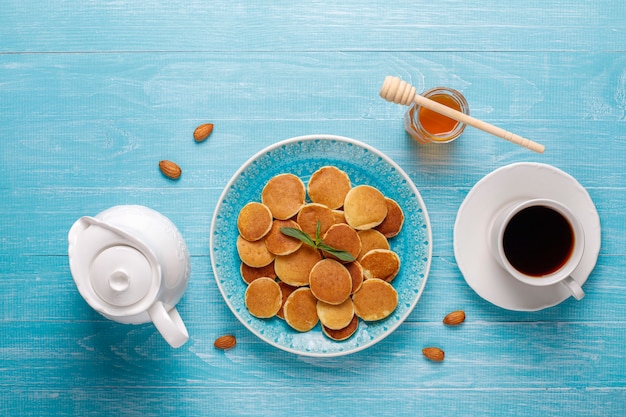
pixel 317 243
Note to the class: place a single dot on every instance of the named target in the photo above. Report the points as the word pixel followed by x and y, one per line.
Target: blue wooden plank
pixel 287 26
pixel 153 87
pixel 151 402
pixel 537 356
pixel 125 154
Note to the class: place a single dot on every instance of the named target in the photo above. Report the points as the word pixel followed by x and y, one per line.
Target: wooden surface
pixel 94 93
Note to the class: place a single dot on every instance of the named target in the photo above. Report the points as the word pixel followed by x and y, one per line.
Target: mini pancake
pixel 249 273
pixel 375 300
pixel 342 334
pixel 356 273
pixel 300 310
pixel 364 207
pixel 311 214
pixel 284 195
pixel 254 254
pixel 329 186
pixel 263 298
pixel 335 317
pixel 286 290
pixel 279 243
pixel 342 237
pixel 381 263
pixel 330 282
pixel 371 239
pixel 294 269
pixel 394 220
pixel 339 216
pixel 254 221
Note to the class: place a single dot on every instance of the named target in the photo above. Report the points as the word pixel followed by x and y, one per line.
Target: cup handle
pixel 574 288
pixel 169 324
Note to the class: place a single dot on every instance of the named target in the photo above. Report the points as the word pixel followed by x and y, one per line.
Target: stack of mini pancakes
pixel 303 284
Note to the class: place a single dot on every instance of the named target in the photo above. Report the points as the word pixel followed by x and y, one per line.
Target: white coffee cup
pixel 539 242
pixel 131 264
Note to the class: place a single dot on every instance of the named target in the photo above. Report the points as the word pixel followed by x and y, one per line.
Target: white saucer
pixel 506 184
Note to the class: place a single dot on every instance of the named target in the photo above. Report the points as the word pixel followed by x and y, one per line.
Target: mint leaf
pixel 298 234
pixel 318 229
pixel 318 243
pixel 341 254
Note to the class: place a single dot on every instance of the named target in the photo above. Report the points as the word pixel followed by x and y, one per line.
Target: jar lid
pixel 112 269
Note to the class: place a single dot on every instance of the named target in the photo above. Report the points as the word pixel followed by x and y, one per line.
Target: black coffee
pixel 538 241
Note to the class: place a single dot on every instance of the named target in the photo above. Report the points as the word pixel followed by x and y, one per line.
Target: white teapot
pixel 131 264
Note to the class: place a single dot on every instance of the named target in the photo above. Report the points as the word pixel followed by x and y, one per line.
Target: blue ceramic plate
pixel 302 156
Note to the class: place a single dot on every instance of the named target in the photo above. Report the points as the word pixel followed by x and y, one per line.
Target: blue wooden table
pixel 94 94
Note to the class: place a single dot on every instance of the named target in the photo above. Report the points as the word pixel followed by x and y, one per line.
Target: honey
pixel 427 126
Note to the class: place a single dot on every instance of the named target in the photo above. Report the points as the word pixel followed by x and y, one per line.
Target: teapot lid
pixel 113 270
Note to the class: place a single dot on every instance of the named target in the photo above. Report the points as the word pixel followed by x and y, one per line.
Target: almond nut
pixel 225 342
pixel 433 353
pixel 202 132
pixel 170 169
pixel 454 318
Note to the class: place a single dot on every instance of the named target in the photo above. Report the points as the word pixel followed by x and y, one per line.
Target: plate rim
pixel 415 192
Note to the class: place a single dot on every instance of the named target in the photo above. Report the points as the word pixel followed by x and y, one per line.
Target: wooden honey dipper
pixel 401 92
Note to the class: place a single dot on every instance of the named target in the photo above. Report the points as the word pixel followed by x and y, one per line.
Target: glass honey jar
pixel 427 126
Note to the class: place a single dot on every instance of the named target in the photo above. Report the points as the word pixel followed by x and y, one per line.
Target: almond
pixel 170 169
pixel 433 353
pixel 455 318
pixel 225 342
pixel 202 132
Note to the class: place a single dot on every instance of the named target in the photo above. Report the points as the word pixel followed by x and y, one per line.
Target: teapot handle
pixel 169 324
